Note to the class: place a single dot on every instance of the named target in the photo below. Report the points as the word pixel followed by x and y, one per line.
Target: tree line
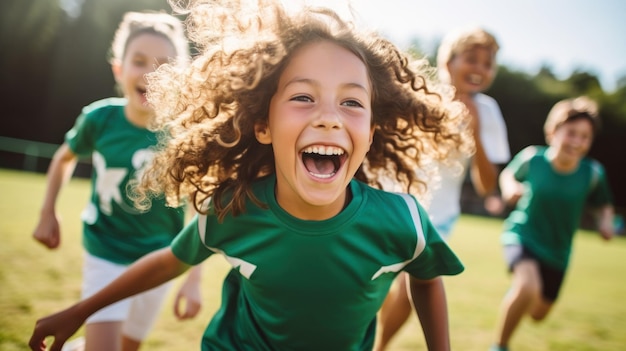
pixel 54 62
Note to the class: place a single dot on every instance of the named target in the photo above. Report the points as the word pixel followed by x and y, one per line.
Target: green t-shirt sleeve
pixel 520 164
pixel 187 246
pixel 81 138
pixel 600 191
pixel 436 258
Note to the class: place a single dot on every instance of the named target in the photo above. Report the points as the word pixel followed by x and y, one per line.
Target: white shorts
pixel 444 228
pixel 138 312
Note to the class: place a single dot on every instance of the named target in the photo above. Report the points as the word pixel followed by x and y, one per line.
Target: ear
pixel 116 67
pixel 262 133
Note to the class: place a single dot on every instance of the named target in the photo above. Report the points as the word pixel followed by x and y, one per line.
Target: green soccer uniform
pixel 312 285
pixel 113 229
pixel 548 214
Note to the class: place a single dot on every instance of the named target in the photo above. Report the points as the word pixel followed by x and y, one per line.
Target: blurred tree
pixel 582 82
pixel 80 70
pixel 29 31
pixel 54 61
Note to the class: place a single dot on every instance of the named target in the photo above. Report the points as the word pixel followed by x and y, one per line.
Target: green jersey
pixel 312 285
pixel 549 212
pixel 113 229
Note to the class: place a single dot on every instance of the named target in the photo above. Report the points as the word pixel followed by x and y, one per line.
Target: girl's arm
pixel 429 301
pixel 605 216
pixel 511 189
pixel 189 295
pixel 148 272
pixel 60 170
pixel 483 173
pixel 188 301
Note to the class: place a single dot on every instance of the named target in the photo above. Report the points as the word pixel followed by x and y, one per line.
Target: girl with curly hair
pixel 280 133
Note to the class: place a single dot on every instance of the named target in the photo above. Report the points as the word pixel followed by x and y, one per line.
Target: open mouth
pixel 323 161
pixel 475 79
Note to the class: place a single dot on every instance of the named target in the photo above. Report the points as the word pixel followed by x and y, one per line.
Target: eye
pixel 352 103
pixel 139 62
pixel 303 98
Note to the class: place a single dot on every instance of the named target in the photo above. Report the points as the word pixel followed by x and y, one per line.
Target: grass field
pixel 590 315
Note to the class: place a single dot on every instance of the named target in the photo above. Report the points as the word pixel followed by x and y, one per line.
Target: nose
pixel 328 118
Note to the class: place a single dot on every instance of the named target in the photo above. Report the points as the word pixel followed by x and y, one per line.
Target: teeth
pixel 475 79
pixel 323 150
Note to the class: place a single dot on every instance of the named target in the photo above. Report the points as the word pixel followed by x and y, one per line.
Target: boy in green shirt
pixel 550 187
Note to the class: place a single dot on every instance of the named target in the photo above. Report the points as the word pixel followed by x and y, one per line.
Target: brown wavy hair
pixel 209 109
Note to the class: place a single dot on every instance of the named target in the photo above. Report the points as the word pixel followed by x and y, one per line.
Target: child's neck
pixel 561 164
pixel 137 118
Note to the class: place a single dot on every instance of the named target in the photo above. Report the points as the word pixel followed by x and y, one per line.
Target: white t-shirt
pixel 445 204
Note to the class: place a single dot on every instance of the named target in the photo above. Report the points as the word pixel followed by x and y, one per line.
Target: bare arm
pixel 150 271
pixel 604 217
pixel 189 295
pixel 188 300
pixel 429 300
pixel 483 173
pixel 511 189
pixel 60 170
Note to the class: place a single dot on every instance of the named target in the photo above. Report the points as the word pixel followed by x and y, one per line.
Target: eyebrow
pixel 159 60
pixel 313 82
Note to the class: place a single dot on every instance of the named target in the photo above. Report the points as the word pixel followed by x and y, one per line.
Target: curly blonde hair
pixel 209 109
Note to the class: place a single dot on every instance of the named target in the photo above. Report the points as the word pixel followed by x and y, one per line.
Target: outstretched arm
pixel 429 301
pixel 483 173
pixel 188 300
pixel 150 271
pixel 60 170
pixel 511 189
pixel 605 216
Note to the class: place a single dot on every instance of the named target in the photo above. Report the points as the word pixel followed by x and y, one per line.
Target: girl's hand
pixel 607 231
pixel 48 231
pixel 605 216
pixel 516 194
pixel 189 297
pixel 61 326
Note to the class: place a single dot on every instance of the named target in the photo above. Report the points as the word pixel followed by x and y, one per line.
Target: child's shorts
pixel 551 278
pixel 444 228
pixel 138 312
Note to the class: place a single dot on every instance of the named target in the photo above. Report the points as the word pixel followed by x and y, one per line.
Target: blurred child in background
pixel 549 187
pixel 113 132
pixel 467 60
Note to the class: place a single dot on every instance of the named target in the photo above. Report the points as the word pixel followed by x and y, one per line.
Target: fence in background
pixel 28 155
pixel 32 152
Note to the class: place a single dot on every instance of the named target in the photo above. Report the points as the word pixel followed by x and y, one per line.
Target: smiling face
pixel 320 128
pixel 472 70
pixel 144 53
pixel 571 142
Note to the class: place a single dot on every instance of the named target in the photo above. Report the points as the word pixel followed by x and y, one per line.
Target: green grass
pixel 590 315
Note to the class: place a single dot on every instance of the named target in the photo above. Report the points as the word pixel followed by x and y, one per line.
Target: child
pixel 274 133
pixel 113 131
pixel 467 60
pixel 550 187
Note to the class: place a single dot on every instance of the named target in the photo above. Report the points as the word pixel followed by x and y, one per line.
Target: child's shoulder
pixel 383 197
pixel 593 165
pixel 484 99
pixel 532 151
pixel 104 105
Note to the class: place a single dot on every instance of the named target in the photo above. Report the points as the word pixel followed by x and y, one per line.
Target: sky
pixel 562 34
